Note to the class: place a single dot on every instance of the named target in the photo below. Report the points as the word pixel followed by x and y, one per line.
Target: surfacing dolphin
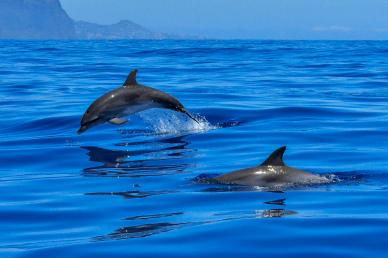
pixel 271 173
pixel 127 100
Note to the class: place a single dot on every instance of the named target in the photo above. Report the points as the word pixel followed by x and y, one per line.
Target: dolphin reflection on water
pixel 127 100
pixel 148 225
pixel 157 157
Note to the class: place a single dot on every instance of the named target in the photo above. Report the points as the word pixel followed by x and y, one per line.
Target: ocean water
pixel 131 190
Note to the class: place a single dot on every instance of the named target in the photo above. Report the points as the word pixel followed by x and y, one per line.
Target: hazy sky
pixel 262 19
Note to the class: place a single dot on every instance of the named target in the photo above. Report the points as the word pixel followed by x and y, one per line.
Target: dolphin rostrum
pixel 126 100
pixel 271 173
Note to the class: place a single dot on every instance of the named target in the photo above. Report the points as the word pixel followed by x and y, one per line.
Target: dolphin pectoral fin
pixel 131 79
pixel 276 158
pixel 118 121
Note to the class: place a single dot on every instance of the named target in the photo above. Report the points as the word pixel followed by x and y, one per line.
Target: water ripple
pixel 128 190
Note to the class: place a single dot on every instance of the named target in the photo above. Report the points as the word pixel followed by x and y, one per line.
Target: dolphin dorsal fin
pixel 276 158
pixel 131 79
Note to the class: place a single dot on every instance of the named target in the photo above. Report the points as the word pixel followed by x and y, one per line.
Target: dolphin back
pixel 272 172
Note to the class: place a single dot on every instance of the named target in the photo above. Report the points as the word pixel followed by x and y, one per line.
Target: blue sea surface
pixel 131 190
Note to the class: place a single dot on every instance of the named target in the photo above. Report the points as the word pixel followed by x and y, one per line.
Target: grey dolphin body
pixel 126 100
pixel 271 173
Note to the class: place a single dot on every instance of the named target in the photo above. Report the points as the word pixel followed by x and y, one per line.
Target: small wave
pixel 131 194
pixel 47 123
pixel 47 49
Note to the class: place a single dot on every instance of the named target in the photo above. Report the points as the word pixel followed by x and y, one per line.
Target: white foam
pixel 167 122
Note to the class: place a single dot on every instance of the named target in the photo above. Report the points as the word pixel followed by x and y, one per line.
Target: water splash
pixel 167 122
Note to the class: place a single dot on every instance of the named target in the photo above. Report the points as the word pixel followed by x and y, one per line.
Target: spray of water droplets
pixel 167 122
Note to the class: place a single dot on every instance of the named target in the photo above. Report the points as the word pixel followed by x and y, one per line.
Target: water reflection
pixel 140 231
pixel 139 158
pixel 154 226
pixel 154 216
pixel 274 213
pixel 144 230
pixel 151 158
pixel 277 202
pixel 132 194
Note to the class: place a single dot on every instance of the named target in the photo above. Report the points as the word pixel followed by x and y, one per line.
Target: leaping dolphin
pixel 127 100
pixel 271 173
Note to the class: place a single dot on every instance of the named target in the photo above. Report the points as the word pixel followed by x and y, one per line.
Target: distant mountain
pixel 121 30
pixel 46 19
pixel 34 19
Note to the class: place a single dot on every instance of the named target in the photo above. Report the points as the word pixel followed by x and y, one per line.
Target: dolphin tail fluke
pixel 276 158
pixel 189 115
